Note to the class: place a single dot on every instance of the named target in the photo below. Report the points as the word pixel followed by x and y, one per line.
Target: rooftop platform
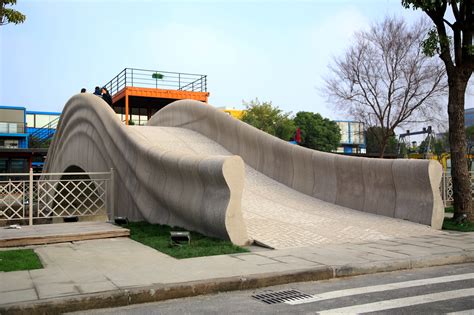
pixel 140 92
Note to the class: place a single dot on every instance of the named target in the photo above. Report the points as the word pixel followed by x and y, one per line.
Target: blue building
pixel 13 132
pixel 41 125
pixel 22 137
pixel 352 137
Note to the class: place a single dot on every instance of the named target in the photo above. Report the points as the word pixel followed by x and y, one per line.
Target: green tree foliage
pixel 451 39
pixel 269 118
pixel 435 145
pixel 317 132
pixel 8 15
pixel 375 141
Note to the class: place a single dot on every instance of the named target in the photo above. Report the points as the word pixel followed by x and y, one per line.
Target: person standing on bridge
pixel 106 96
pixel 97 91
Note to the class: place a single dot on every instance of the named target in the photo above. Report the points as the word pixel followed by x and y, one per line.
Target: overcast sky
pixel 275 50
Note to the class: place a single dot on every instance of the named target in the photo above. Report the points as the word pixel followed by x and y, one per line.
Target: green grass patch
pixel 158 237
pixel 21 259
pixel 449 209
pixel 452 225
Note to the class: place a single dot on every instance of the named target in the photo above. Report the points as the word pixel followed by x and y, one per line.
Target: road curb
pixel 161 292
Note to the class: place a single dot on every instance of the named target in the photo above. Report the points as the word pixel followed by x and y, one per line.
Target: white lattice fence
pixel 447 188
pixel 12 199
pixel 53 195
pixel 63 198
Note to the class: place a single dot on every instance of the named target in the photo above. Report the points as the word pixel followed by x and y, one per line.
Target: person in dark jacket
pixel 97 91
pixel 106 96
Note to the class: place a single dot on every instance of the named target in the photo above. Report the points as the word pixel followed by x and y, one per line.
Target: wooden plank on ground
pixel 59 233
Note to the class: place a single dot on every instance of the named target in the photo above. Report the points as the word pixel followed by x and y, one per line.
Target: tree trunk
pixel 458 145
pixel 383 147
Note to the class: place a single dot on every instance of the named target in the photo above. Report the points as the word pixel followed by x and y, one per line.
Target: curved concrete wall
pixel 200 193
pixel 404 189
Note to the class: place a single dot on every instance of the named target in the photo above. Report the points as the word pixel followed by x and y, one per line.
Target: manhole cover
pixel 271 297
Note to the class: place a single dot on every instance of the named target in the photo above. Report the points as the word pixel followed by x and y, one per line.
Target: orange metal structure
pixel 154 93
pixel 149 90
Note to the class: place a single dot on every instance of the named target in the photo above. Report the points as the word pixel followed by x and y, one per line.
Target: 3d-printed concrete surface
pixel 196 167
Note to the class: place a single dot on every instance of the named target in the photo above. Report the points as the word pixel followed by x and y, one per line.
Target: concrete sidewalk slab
pixel 58 233
pixel 114 272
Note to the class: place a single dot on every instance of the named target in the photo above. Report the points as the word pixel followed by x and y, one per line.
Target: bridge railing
pixel 157 79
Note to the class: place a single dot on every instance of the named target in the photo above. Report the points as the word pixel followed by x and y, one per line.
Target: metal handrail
pixel 157 79
pixel 40 137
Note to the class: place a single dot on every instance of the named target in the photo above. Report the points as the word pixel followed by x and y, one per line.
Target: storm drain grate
pixel 271 297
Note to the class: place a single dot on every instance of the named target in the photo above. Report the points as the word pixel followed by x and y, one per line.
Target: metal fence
pixel 52 195
pixel 447 188
pixel 157 79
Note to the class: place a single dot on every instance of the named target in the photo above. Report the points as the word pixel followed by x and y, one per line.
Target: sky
pixel 276 51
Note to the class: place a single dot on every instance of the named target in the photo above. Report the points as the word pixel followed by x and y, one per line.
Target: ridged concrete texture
pixel 197 192
pixel 185 168
pixel 281 217
pixel 401 188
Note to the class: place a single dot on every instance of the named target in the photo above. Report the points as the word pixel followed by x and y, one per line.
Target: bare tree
pixel 385 80
pixel 451 39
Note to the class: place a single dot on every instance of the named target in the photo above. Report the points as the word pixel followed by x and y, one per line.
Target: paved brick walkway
pixel 281 217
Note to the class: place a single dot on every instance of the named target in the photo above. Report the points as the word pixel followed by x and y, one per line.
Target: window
pixel 344 127
pixel 356 132
pixel 11 143
pixel 13 128
pixel 55 124
pixel 3 165
pixel 136 119
pixel 3 127
pixel 30 120
pixel 18 165
pixel 41 120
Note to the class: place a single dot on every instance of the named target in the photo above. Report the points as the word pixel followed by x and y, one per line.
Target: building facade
pixel 352 137
pixel 22 134
pixel 13 133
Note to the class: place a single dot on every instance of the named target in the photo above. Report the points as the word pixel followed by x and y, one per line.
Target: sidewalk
pixel 119 271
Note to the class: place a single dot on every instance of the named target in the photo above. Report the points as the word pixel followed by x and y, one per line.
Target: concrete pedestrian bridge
pixel 196 167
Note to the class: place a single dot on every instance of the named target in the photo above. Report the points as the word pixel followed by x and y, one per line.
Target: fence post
pixel 30 203
pixel 445 189
pixel 111 196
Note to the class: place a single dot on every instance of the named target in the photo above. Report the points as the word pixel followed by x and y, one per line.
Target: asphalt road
pixel 437 290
